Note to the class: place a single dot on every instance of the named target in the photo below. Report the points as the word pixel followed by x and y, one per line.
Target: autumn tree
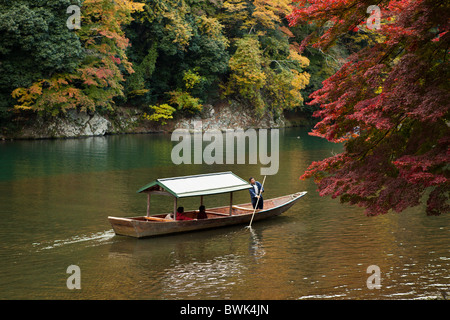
pixel 266 70
pixel 389 104
pixel 35 44
pixel 182 37
pixel 247 75
pixel 98 77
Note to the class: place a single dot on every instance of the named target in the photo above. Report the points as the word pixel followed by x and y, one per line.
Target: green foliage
pixel 187 36
pixel 191 79
pixel 137 83
pixel 181 53
pixel 270 79
pixel 35 44
pixel 247 77
pixel 98 76
pixel 185 101
pixel 265 69
pixel 283 89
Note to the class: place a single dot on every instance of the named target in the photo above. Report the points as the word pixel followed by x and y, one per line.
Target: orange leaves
pixel 286 31
pixel 97 80
pixel 72 92
pixel 52 96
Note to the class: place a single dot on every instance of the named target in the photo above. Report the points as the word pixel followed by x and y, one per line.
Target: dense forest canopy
pixel 163 56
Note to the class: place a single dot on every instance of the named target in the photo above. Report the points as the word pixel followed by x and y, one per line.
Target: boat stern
pixel 124 226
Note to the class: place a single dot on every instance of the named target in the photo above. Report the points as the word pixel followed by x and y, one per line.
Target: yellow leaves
pixel 247 76
pixel 22 107
pixel 181 30
pixel 379 90
pixel 178 28
pixel 117 10
pixel 185 101
pixel 295 56
pixel 264 13
pixel 191 78
pixel 245 64
pixel 370 37
pixel 213 28
pixel 266 18
pixel 299 82
pixel 235 6
pixel 130 5
pixel 160 113
pixel 138 92
pixel 27 96
pixel 269 12
pixel 209 26
pixel 283 89
pixel 236 12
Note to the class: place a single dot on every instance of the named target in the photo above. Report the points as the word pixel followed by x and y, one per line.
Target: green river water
pixel 56 195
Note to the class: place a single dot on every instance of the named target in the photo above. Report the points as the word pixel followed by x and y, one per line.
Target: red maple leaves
pixel 390 104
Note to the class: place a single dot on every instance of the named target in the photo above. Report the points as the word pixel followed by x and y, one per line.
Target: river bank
pixel 73 124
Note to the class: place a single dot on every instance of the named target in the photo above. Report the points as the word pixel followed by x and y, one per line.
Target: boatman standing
pixel 255 191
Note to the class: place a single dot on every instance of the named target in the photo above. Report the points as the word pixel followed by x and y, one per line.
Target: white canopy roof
pixel 198 185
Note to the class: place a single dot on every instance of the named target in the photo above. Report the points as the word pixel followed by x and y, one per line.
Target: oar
pixel 256 206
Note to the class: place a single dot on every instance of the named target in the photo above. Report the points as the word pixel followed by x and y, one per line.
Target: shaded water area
pixel 56 195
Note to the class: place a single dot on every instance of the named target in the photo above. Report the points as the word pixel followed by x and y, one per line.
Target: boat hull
pixel 139 227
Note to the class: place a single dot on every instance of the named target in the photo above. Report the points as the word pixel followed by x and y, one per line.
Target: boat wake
pixel 93 239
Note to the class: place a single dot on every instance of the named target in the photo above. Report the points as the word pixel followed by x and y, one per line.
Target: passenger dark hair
pixel 250 179
pixel 180 209
pixel 202 207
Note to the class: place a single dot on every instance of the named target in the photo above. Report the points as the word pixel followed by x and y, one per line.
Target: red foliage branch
pixel 389 103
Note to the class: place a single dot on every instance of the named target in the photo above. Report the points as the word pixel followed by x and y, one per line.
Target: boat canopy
pixel 197 185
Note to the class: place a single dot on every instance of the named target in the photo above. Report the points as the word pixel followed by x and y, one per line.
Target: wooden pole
pixel 175 208
pixel 256 206
pixel 201 200
pixel 231 203
pixel 148 204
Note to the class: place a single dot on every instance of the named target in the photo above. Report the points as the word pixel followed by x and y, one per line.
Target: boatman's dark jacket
pixel 253 195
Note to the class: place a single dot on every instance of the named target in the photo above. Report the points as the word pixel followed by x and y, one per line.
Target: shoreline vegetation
pixel 150 66
pixel 75 124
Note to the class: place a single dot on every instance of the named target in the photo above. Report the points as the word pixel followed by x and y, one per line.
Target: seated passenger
pixel 180 214
pixel 201 213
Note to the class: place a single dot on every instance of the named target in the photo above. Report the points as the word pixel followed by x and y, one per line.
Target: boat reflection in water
pixel 214 276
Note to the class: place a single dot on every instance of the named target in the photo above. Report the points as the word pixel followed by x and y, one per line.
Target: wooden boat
pixel 199 185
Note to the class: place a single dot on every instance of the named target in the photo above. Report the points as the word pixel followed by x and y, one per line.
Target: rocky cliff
pixel 81 124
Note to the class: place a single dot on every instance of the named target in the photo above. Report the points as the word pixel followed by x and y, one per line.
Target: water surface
pixel 56 195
